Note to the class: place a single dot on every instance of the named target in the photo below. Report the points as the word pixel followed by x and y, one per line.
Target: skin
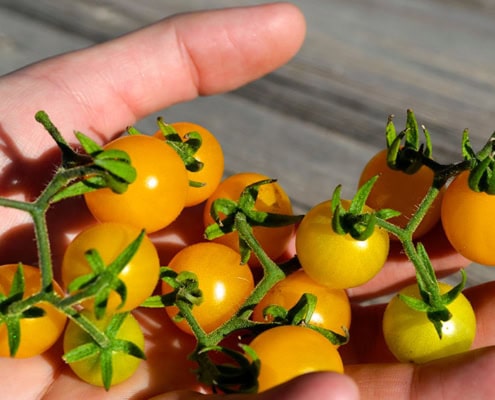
pixel 101 90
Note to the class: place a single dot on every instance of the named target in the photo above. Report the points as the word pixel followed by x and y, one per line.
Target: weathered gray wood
pixel 320 117
pixel 362 60
pixel 24 40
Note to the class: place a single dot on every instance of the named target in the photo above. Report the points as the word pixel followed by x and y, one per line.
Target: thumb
pixel 317 385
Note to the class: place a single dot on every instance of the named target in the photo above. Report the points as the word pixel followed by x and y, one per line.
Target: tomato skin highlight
pixel 288 351
pixel 271 198
pixel 210 154
pixel 155 198
pixel 338 261
pixel 468 219
pixel 332 311
pixel 89 369
pixel 224 282
pixel 401 192
pixel 140 275
pixel 37 334
pixel 411 337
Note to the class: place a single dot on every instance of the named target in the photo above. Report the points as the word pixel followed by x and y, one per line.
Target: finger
pixel 103 89
pixel 36 374
pixel 483 302
pixel 464 376
pixel 321 385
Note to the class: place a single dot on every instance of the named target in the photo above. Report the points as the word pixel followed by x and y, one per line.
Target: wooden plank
pixel 24 40
pixel 361 61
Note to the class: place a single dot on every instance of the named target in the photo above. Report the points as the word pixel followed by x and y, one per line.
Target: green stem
pixel 17 204
pixel 69 156
pixel 44 248
pixel 28 302
pixel 272 274
pixel 96 334
pixel 423 269
pixel 270 268
pixel 422 210
pixel 61 179
pixel 185 311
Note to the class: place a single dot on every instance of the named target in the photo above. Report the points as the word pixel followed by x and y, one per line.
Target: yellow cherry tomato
pixel 334 260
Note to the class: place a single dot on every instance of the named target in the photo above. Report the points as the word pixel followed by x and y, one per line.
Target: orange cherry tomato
pixel 333 310
pixel 468 219
pixel 271 198
pixel 401 192
pixel 289 351
pixel 156 197
pixel 224 282
pixel 210 154
pixel 37 334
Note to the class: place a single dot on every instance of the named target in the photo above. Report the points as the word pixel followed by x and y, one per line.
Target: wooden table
pixel 320 117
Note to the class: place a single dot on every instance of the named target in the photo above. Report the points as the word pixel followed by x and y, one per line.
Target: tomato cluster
pixel 211 288
pixel 414 329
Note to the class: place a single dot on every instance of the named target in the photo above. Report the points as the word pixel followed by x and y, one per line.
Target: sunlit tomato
pixel 210 154
pixel 468 221
pixel 271 198
pixel 89 368
pixel 224 282
pixel 338 261
pixel 289 351
pixel 411 336
pixel 37 334
pixel 332 311
pixel 140 275
pixel 158 194
pixel 401 192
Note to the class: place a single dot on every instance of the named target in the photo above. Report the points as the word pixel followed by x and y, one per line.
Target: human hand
pixel 102 90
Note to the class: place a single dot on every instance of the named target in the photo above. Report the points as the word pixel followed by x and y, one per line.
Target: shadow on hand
pixel 24 179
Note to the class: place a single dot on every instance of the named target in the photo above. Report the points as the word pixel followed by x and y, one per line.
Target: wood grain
pixel 314 122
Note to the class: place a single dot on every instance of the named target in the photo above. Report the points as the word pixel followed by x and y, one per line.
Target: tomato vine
pixel 350 220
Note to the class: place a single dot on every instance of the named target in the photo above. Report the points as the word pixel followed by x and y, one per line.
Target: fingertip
pixel 245 44
pixel 292 20
pixel 316 385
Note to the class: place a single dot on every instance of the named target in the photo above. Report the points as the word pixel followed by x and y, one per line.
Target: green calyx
pixel 353 221
pixel 482 164
pixel 238 375
pixel 432 302
pixel 13 309
pixel 103 280
pixel 246 205
pixel 405 153
pixel 104 350
pixel 186 149
pixel 185 288
pixel 300 314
